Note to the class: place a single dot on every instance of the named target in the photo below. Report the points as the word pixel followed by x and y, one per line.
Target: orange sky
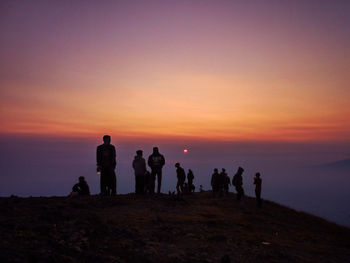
pixel 202 72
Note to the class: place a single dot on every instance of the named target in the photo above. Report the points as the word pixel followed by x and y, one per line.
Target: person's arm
pixel 150 161
pixel 114 161
pixel 163 160
pixel 98 158
pixel 144 164
pixel 75 188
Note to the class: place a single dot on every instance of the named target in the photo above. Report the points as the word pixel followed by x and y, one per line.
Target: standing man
pixel 139 165
pixel 156 161
pixel 181 177
pixel 226 181
pixel 190 177
pixel 106 162
pixel 237 182
pixel 215 182
pixel 258 182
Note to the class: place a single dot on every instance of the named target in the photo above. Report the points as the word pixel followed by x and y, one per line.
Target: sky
pixel 201 70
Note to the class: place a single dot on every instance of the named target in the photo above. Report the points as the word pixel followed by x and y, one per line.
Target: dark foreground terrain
pixel 195 228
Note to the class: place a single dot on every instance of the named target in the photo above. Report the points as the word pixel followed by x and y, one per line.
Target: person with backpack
pixel 181 177
pixel 156 161
pixel 237 182
pixel 190 177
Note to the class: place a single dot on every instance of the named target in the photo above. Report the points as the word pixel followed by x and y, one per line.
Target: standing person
pixel 156 161
pixel 190 177
pixel 258 182
pixel 237 182
pixel 226 181
pixel 181 177
pixel 106 163
pixel 215 182
pixel 139 165
pixel 81 188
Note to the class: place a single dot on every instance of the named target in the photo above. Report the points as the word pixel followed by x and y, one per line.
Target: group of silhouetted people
pixel 145 180
pixel 220 183
pixel 181 186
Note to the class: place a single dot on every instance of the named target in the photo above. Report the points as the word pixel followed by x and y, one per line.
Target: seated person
pixel 82 187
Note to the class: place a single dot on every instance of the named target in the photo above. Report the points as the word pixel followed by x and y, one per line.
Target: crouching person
pixel 81 188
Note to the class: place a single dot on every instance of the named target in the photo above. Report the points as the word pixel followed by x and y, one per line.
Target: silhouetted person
pixel 237 182
pixel 81 188
pixel 146 184
pixel 215 182
pixel 156 161
pixel 190 177
pixel 106 162
pixel 258 182
pixel 181 177
pixel 225 181
pixel 139 165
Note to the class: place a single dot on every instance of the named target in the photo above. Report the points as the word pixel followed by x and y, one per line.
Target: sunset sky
pixel 214 70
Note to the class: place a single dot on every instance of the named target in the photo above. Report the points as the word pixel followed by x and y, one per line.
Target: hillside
pixel 195 228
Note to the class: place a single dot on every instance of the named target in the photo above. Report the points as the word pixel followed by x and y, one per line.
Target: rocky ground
pixel 195 228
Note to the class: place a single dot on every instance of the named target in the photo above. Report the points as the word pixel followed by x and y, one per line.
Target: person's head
pixel 216 170
pixel 223 170
pixel 257 175
pixel 139 153
pixel 155 150
pixel 81 179
pixel 240 170
pixel 177 165
pixel 106 139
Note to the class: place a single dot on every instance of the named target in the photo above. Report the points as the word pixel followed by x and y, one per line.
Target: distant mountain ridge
pixel 342 164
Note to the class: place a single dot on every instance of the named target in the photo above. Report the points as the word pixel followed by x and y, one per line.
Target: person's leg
pixel 238 193
pixel 159 178
pixel 103 185
pixel 178 187
pixel 142 184
pixel 182 187
pixel 154 175
pixel 152 184
pixel 136 184
pixel 113 186
pixel 258 197
pixel 139 184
